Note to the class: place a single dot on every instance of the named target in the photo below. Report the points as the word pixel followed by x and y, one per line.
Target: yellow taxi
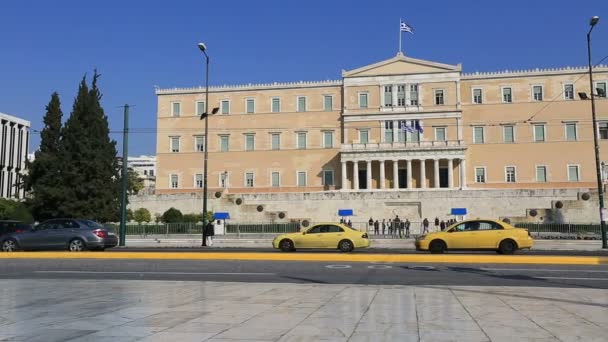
pixel 323 235
pixel 478 234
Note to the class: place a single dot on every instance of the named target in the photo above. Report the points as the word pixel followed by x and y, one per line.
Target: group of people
pixel 348 223
pixel 401 228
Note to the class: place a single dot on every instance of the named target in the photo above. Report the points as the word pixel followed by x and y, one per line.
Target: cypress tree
pixel 88 159
pixel 43 179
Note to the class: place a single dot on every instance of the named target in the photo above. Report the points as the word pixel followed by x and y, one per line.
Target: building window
pixel 388 96
pixel 508 134
pixel 440 134
pixel 363 136
pixel 175 144
pixel 276 179
pixel 539 133
pixel 224 179
pixel 478 136
pixel 328 139
pixel 569 91
pixel 275 141
pixel 439 97
pixel 301 178
pixel 198 180
pixel 600 88
pixel 301 103
pixel 174 181
pixel 537 93
pixel 363 100
pixel 573 173
pixel 541 174
pixel 477 96
pixel 401 95
pixel 176 109
pixel 302 140
pixel 480 175
pixel 388 131
pixel 510 174
pixel 225 107
pixel 603 128
pixel 328 177
pixel 328 103
pixel 224 143
pixel 199 143
pixel 571 131
pixel 413 94
pixel 414 136
pixel 249 179
pixel 507 95
pixel 200 108
pixel 250 104
pixel 275 105
pixel 249 142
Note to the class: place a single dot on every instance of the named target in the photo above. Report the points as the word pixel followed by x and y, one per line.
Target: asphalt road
pixel 309 272
pixel 358 251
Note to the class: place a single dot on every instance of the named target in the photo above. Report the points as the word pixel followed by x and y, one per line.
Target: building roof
pixel 15 119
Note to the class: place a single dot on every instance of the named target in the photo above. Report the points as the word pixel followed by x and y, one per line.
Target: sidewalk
pixel 263 241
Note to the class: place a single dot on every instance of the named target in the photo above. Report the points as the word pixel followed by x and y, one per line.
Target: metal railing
pixel 263 228
pixel 562 230
pixel 196 228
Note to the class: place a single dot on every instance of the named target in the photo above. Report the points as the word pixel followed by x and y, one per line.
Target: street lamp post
pixel 600 189
pixel 205 115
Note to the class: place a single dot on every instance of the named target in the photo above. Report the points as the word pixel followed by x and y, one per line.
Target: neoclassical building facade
pixel 14 141
pixel 403 124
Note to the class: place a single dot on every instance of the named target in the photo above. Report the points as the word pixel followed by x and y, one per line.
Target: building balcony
pixel 400 146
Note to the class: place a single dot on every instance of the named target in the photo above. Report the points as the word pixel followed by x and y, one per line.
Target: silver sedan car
pixel 71 234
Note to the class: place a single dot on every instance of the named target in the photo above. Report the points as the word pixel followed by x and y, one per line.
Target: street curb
pixel 388 258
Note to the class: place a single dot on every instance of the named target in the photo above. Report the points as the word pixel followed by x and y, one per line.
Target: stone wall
pixel 415 205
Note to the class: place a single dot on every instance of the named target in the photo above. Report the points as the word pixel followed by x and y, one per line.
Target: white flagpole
pixel 400 35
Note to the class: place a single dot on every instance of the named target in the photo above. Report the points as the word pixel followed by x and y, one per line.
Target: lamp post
pixel 205 116
pixel 600 189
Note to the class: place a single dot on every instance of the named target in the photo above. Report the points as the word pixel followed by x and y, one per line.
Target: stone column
pixel 436 173
pixel 395 174
pixel 463 174
pixel 344 176
pixel 395 131
pixel 422 174
pixel 450 173
pixel 382 175
pixel 356 175
pixel 409 173
pixel 369 175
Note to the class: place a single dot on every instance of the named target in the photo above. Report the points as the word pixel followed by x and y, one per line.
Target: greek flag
pixel 405 127
pixel 406 28
pixel 419 126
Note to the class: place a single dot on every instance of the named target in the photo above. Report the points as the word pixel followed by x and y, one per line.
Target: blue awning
pixel 459 211
pixel 345 212
pixel 221 216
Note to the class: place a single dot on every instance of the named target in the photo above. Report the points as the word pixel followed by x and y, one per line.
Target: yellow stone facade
pixel 511 129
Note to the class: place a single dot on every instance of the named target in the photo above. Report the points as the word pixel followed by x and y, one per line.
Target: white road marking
pixel 338 266
pixel 380 267
pixel 540 270
pixel 574 278
pixel 171 273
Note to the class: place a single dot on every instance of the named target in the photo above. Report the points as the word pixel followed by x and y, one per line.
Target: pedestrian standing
pixel 436 223
pixel 376 228
pixel 442 225
pixel 205 234
pixel 341 220
pixel 384 226
pixel 350 224
pixel 425 226
pixel 401 229
pixel 371 224
pixel 407 228
pixel 390 226
pixel 210 233
pixel 396 225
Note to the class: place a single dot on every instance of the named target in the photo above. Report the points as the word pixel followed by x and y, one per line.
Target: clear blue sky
pixel 48 46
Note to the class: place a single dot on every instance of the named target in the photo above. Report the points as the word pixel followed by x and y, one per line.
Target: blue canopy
pixel 459 211
pixel 221 216
pixel 345 212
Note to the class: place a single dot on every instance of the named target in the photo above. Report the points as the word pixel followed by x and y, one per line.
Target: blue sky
pixel 48 46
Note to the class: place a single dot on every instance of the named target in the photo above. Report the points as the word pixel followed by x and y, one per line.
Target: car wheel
pixel 9 245
pixel 76 245
pixel 507 247
pixel 286 246
pixel 346 246
pixel 437 247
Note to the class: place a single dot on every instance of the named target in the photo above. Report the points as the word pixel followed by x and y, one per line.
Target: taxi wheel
pixel 346 246
pixel 507 247
pixel 437 247
pixel 286 246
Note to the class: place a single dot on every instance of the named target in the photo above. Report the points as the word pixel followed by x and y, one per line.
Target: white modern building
pixel 145 166
pixel 14 143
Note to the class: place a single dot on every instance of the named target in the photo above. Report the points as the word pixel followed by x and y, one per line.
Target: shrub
pixel 13 210
pixel 142 215
pixel 172 215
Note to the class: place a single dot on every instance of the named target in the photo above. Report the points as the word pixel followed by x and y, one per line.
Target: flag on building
pixel 419 126
pixel 405 127
pixel 406 28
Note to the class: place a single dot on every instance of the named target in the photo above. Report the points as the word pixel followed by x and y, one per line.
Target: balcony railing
pixel 402 145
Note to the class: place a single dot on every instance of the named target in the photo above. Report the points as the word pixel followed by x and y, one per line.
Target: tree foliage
pixel 13 210
pixel 135 182
pixel 142 215
pixel 172 215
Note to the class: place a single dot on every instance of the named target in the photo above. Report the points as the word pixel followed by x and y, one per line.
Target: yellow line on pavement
pixel 329 257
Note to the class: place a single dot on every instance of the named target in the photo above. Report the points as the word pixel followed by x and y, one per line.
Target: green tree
pixel 142 215
pixel 44 173
pixel 192 218
pixel 172 215
pixel 135 182
pixel 13 210
pixel 129 215
pixel 90 178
